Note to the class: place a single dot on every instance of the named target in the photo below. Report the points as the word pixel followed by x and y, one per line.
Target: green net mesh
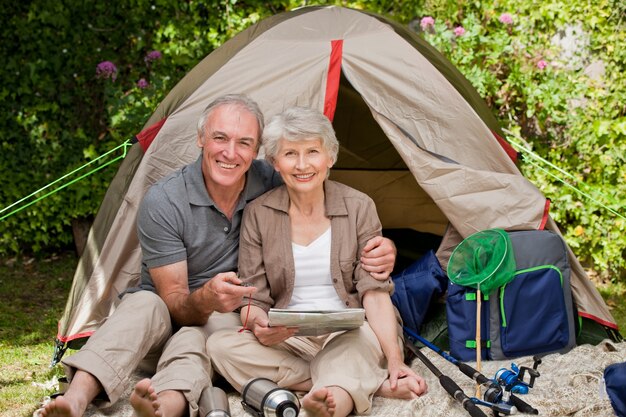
pixel 483 260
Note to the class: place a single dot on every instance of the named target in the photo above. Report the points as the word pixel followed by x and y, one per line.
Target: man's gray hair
pixel 240 100
pixel 299 123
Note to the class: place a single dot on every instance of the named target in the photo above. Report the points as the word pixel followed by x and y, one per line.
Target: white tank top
pixel 313 289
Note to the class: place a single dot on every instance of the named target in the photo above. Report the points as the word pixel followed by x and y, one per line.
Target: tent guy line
pixel 124 147
pixel 518 143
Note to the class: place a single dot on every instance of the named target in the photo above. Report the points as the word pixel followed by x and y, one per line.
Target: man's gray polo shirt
pixel 178 220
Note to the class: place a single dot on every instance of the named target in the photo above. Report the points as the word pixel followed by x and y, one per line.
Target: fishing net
pixel 483 260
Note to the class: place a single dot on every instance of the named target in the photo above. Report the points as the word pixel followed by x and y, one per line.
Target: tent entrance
pixel 369 162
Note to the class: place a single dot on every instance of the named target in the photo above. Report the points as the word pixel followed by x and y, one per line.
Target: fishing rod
pixel 449 385
pixel 494 394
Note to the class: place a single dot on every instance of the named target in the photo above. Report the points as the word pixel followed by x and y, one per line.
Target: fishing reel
pixel 498 400
pixel 513 380
pixel 499 393
pixel 498 408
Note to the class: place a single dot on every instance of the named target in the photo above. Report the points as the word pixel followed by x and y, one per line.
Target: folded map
pixel 317 322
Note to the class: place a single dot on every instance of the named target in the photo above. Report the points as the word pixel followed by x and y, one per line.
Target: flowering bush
pixel 152 56
pixel 80 80
pixel 106 69
pixel 427 23
pixel 142 83
pixel 506 18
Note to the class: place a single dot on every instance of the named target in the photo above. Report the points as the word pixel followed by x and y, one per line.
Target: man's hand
pixel 378 257
pixel 221 293
pixel 224 292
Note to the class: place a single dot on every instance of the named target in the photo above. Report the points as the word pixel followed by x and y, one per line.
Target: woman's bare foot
pixel 59 407
pixel 144 400
pixel 407 388
pixel 319 403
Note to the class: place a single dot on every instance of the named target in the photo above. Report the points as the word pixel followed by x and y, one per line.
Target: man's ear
pixel 200 141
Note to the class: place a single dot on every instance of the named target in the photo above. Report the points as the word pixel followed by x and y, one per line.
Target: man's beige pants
pixel 139 334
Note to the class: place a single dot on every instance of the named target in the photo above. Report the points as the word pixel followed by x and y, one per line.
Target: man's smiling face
pixel 229 145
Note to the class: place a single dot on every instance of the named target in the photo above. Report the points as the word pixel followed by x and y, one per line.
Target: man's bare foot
pixel 407 389
pixel 59 407
pixel 144 400
pixel 319 403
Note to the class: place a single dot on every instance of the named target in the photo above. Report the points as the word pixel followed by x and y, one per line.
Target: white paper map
pixel 317 322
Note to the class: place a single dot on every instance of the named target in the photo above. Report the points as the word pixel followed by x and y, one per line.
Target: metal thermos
pixel 213 403
pixel 264 398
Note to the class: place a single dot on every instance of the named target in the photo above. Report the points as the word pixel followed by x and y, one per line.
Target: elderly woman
pixel 299 247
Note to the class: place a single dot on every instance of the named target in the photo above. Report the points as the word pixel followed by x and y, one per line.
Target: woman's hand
pixel 413 385
pixel 403 382
pixel 270 336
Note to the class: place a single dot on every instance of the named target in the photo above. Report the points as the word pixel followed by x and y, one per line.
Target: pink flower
pixel 459 31
pixel 106 69
pixel 506 18
pixel 427 22
pixel 142 83
pixel 542 64
pixel 152 56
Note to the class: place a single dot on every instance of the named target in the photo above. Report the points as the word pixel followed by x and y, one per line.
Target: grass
pixel 32 299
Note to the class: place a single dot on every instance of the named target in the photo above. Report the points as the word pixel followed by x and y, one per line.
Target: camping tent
pixel 414 135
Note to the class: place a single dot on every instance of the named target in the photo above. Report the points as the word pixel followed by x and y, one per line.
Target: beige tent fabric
pixel 399 199
pixel 464 175
pixel 568 386
pixel 119 259
pixel 416 105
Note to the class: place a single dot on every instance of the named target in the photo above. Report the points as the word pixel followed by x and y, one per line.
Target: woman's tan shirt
pixel 265 252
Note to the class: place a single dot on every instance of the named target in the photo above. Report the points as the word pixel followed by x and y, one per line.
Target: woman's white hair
pixel 299 123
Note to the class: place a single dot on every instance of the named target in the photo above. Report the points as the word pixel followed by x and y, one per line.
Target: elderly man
pixel 188 226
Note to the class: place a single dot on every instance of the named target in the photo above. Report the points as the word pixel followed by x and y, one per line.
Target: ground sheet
pixel 569 385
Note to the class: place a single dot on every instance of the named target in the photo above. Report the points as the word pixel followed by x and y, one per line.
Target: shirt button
pixel 348 303
pixel 334 279
pixel 226 229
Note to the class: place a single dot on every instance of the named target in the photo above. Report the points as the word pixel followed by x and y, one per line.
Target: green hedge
pixel 80 78
pixel 61 112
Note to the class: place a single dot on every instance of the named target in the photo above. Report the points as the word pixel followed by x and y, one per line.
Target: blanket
pixel 568 385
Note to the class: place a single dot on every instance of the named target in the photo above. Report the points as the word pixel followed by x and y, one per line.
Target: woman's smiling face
pixel 302 164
